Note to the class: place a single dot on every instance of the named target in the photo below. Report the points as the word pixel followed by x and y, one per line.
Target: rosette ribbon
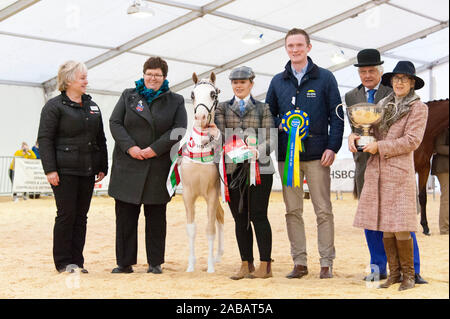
pixel 296 124
pixel 255 175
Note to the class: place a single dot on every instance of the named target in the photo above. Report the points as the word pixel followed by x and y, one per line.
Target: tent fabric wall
pixel 20 110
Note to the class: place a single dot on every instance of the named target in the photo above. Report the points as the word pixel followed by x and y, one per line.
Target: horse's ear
pixel 194 77
pixel 212 77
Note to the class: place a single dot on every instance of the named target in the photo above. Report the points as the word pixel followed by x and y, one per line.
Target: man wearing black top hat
pixel 372 90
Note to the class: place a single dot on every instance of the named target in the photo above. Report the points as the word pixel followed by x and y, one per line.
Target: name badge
pixel 94 108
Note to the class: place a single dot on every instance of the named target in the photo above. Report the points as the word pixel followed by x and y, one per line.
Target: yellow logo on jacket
pixel 311 93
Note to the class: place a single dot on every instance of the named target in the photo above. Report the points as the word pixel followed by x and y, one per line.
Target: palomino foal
pixel 200 176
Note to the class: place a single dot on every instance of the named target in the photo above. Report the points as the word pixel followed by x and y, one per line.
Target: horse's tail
pixel 220 214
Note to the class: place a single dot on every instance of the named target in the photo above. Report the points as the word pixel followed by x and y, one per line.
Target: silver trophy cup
pixel 364 116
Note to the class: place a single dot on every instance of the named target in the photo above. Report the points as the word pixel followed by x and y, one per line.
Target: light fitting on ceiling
pixel 140 10
pixel 338 55
pixel 338 58
pixel 253 37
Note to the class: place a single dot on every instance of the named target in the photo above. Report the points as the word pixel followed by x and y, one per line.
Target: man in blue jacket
pixel 312 89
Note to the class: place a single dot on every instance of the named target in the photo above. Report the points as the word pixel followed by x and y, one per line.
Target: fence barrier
pixel 342 174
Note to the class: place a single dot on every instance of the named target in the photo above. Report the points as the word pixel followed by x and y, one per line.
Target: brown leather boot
pixel 390 247
pixel 264 270
pixel 406 255
pixel 246 269
pixel 326 272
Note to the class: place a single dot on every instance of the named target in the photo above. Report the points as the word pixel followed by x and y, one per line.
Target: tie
pixel 242 106
pixel 371 98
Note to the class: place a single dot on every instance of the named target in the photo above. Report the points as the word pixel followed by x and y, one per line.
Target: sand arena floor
pixel 27 269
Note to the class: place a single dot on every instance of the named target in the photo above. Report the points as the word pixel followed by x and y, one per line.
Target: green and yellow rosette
pixel 296 124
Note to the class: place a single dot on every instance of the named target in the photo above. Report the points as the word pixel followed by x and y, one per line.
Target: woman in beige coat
pixel 388 198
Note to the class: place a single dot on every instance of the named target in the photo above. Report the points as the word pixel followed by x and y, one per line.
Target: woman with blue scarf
pixel 146 124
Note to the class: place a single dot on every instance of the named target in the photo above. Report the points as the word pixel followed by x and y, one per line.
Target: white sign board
pixel 29 177
pixel 342 175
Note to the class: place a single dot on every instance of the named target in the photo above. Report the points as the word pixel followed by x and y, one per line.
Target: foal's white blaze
pixel 202 95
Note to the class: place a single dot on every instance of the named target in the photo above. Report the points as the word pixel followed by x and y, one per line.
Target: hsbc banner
pixel 342 175
pixel 29 177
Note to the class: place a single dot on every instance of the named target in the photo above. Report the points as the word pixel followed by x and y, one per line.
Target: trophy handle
pixel 336 110
pixel 396 110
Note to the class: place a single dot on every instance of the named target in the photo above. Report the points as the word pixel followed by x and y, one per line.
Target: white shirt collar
pixel 245 99
pixel 302 71
pixel 375 88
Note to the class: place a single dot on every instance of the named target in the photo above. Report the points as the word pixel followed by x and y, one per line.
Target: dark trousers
pixel 258 199
pixel 127 216
pixel 73 198
pixel 11 177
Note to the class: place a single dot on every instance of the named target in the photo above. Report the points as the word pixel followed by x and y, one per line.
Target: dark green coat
pixel 144 182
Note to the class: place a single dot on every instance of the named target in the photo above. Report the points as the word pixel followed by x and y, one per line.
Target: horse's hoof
pixel 218 257
pixel 426 230
pixel 210 267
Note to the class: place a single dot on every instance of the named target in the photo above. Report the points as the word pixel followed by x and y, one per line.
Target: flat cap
pixel 241 73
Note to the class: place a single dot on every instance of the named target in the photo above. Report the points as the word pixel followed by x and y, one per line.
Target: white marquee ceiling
pixel 204 35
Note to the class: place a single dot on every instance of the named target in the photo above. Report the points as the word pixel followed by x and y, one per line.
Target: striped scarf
pixel 391 115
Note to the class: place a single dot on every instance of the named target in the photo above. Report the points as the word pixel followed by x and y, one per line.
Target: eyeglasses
pixel 402 79
pixel 154 76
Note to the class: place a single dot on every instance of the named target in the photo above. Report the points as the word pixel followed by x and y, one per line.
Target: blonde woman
pixel 74 157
